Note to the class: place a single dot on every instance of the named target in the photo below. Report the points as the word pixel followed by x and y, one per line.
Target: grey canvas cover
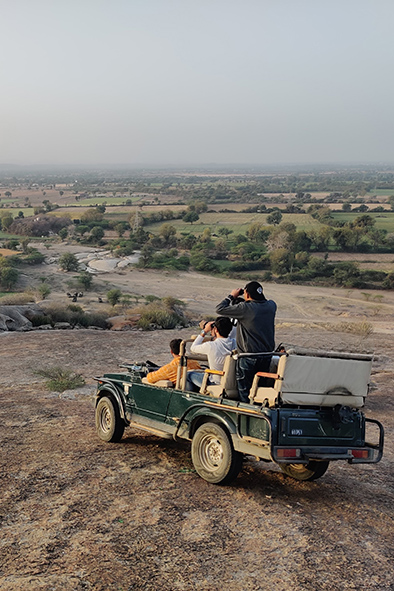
pixel 306 380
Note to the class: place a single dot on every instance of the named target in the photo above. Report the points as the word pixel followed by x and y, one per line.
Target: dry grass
pixel 17 299
pixel 362 328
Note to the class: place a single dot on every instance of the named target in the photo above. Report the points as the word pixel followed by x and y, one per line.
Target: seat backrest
pixel 325 381
pixel 228 382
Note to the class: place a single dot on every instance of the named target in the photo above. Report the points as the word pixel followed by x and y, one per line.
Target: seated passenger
pixel 169 371
pixel 216 351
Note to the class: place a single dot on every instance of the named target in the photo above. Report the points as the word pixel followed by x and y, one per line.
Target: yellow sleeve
pixel 167 372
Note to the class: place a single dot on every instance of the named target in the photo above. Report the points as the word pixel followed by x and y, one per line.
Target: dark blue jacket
pixel 256 324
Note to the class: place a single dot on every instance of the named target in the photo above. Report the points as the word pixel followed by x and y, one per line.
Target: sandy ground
pixel 79 514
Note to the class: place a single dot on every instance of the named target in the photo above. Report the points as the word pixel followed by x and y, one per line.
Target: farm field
pixel 383 221
pixel 237 222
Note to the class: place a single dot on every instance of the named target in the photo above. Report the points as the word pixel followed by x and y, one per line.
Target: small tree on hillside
pixel 44 290
pixel 85 280
pixel 68 262
pixel 8 278
pixel 63 233
pixel 113 296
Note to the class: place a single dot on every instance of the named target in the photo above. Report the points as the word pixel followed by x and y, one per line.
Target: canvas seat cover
pixel 319 381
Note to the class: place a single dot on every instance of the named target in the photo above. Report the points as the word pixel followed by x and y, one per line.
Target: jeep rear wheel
pixel 109 424
pixel 311 471
pixel 213 455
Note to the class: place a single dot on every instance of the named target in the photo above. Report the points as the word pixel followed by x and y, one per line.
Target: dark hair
pixel 175 346
pixel 255 290
pixel 223 326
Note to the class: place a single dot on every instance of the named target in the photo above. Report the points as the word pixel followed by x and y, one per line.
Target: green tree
pixel 167 232
pixel 146 255
pixel 346 207
pixel 281 260
pixel 8 278
pixel 6 221
pixel 44 290
pixel 224 231
pixel 68 262
pixel 97 233
pixel 114 296
pixel 85 279
pixel 256 232
pixel 274 218
pixel 63 233
pixel 190 217
pixel 81 229
pixel 120 228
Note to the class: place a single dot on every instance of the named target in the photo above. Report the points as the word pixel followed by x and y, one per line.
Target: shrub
pixel 157 316
pixel 59 379
pixel 74 315
pixel 388 283
pixel 17 299
pixel 167 314
pixel 44 290
pixel 33 258
pixel 202 263
pixel 8 278
pixel 40 319
pixel 113 296
pixel 85 279
pixel 68 262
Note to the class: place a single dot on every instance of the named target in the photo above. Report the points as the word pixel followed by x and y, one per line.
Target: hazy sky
pixel 196 81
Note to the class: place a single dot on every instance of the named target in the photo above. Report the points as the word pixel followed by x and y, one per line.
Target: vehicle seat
pixel 317 380
pixel 228 383
pixel 268 395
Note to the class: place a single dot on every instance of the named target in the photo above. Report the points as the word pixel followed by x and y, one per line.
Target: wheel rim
pixel 105 419
pixel 211 452
pixel 301 468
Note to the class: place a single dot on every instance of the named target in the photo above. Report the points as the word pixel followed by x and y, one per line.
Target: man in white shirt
pixel 216 351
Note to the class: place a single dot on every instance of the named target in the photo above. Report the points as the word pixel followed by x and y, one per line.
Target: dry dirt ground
pixel 79 514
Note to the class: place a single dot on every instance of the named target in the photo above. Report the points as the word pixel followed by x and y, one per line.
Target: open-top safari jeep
pixel 303 414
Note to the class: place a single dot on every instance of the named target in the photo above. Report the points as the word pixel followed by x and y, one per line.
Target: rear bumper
pixel 369 453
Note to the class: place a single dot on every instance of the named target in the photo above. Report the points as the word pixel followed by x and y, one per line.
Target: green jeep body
pixel 301 440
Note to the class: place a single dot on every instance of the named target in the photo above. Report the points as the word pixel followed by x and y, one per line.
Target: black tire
pixel 311 471
pixel 213 455
pixel 109 424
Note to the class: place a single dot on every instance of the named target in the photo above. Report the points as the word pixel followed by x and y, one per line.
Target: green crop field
pixel 383 220
pixel 6 236
pixel 381 192
pixel 237 222
pixel 92 201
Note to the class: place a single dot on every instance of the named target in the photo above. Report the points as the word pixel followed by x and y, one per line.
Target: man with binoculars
pixel 255 332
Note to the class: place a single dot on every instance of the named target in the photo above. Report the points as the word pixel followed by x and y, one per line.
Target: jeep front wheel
pixel 109 424
pixel 310 471
pixel 213 455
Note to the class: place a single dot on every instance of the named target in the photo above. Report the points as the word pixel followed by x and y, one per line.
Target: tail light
pixel 288 453
pixel 360 453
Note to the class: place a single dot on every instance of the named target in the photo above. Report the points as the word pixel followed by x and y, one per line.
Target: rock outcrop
pixel 18 317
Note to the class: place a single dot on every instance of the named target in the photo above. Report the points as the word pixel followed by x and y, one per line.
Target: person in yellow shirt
pixel 169 371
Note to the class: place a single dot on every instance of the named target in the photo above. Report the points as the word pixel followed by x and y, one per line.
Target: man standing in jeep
pixel 255 332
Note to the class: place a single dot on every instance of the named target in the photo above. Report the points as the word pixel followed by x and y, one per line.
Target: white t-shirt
pixel 216 351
